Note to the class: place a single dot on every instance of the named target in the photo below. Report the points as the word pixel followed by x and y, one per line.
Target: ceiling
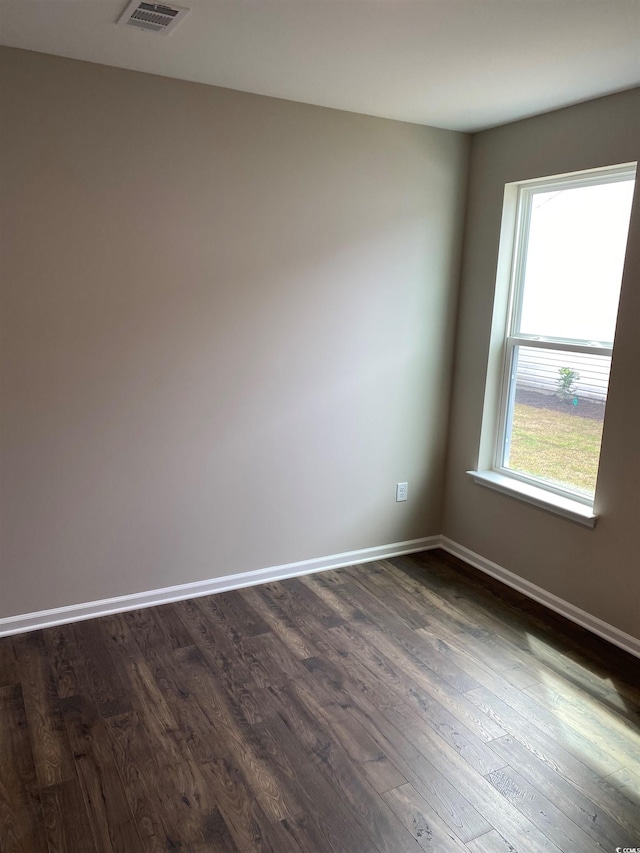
pixel 460 64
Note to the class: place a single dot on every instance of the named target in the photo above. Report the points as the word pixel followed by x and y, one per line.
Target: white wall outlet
pixel 401 491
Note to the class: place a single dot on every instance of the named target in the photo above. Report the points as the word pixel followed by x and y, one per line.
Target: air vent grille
pixel 154 17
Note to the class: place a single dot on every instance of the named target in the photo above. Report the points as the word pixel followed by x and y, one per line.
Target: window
pixel 562 253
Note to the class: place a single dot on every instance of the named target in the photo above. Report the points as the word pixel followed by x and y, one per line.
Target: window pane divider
pixel 563 346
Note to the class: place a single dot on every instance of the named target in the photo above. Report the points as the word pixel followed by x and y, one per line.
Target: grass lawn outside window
pixel 557 441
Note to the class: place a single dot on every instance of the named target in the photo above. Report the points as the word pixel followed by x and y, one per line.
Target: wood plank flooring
pixel 401 706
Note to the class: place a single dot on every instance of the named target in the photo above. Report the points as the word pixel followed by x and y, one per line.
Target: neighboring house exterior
pixel 538 371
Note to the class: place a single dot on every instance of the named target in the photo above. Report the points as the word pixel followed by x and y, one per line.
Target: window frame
pixel 510 282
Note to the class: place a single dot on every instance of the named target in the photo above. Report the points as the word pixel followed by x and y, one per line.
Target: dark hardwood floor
pixel 395 707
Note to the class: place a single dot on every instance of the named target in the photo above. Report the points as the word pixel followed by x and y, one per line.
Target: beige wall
pixel 226 330
pixel 596 570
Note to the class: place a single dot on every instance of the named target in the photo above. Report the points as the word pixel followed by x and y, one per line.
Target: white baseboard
pixel 553 602
pixel 121 603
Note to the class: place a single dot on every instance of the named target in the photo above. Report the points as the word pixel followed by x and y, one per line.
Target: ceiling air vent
pixel 154 17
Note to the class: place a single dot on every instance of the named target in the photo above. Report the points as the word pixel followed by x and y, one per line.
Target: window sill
pixel 573 510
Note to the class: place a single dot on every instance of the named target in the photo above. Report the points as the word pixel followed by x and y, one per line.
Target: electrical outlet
pixel 401 491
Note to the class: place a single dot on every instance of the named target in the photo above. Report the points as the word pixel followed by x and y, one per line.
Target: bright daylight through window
pixel 568 251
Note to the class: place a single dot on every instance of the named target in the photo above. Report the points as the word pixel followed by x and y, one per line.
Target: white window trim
pixel 512 253
pixel 540 497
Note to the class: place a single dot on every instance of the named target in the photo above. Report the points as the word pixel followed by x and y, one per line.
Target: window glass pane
pixel 555 416
pixel 574 260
